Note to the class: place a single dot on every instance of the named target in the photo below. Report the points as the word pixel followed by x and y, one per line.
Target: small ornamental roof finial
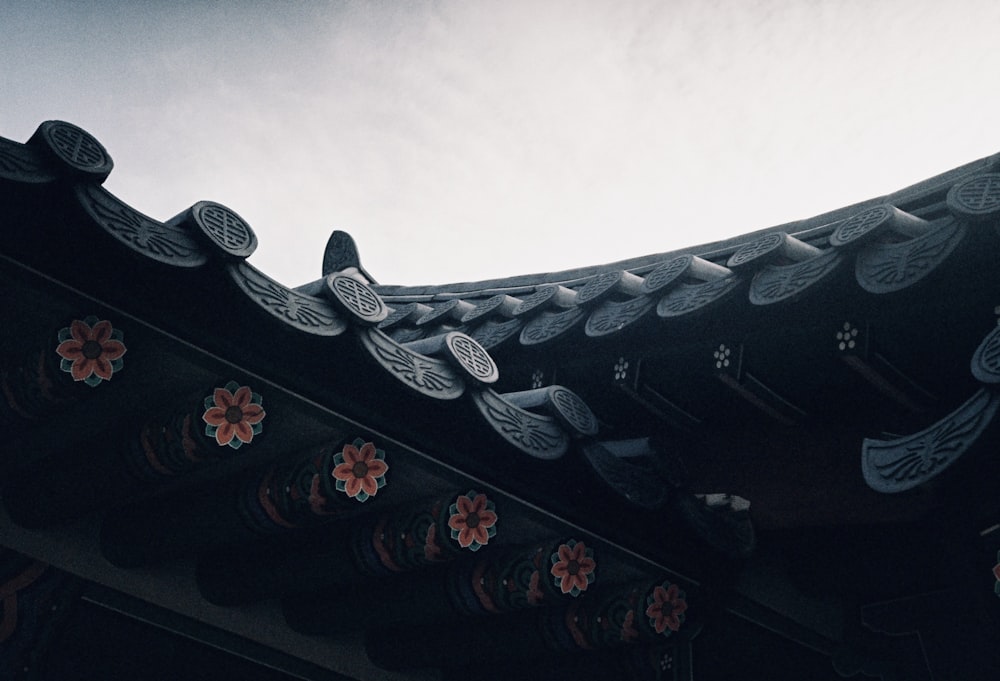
pixel 341 257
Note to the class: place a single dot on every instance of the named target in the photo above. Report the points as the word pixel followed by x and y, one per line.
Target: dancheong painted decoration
pixel 767 457
pixel 91 350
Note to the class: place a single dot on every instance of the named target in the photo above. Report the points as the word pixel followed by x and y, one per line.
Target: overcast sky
pixel 464 140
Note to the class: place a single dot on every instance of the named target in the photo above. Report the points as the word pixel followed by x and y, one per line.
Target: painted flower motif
pixel 665 608
pixel 91 350
pixel 233 415
pixel 360 470
pixel 537 378
pixel 472 520
pixel 573 567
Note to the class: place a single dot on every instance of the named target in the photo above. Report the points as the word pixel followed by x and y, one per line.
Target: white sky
pixel 468 140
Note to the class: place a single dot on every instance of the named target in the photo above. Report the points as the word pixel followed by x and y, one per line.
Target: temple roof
pixel 666 442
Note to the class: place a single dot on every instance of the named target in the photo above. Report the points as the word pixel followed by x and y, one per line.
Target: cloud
pixel 462 140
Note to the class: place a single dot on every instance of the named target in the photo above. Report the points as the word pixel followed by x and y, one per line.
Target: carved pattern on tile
pixel 575 411
pixel 77 148
pixel 404 335
pixel 687 298
pixel 897 465
pixel 613 316
pixel 358 298
pixel 549 325
pixel 539 297
pixel 986 360
pixel 439 310
pixel 756 249
pixel 397 315
pixel 666 274
pixel 484 308
pixel 776 283
pixel 492 334
pixel 598 286
pixel 165 243
pixel 428 375
pixel 227 230
pixel 884 268
pixel 473 357
pixel 533 434
pixel 306 313
pixel 976 198
pixel 858 226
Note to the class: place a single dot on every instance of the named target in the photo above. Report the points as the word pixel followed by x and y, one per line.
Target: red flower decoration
pixel 91 350
pixel 360 470
pixel 573 567
pixel 233 418
pixel 666 608
pixel 472 520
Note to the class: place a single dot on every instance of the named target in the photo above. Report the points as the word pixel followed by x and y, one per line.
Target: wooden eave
pixel 786 367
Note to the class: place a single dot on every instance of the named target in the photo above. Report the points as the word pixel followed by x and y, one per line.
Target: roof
pixel 665 443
